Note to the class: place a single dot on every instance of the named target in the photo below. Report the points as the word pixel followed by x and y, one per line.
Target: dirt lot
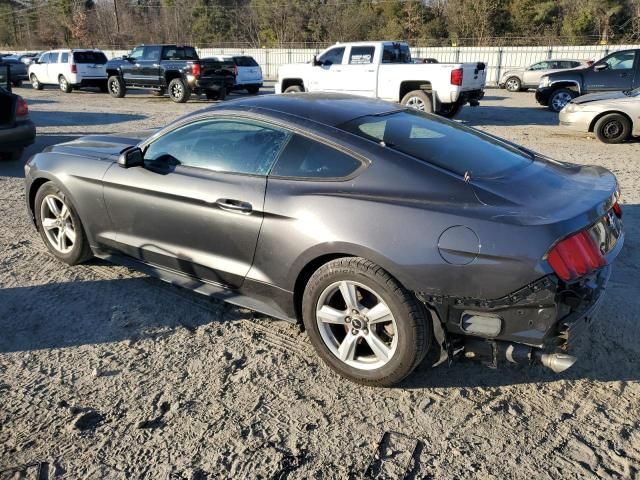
pixel 105 373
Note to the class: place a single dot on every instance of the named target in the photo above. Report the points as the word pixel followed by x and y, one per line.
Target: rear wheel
pixel 116 86
pixel 363 324
pixel 513 84
pixel 64 84
pixel 418 100
pixel 60 226
pixel 35 83
pixel 294 89
pixel 179 91
pixel 560 98
pixel 612 128
pixel 216 95
pixel 253 89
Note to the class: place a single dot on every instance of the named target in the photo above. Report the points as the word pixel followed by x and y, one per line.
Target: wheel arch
pixel 569 84
pixel 592 125
pixel 409 85
pixel 170 75
pixel 111 72
pixel 290 82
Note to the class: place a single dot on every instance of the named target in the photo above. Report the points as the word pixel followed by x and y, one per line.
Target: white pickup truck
pixel 385 70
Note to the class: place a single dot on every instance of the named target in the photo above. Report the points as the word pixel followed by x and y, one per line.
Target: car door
pixel 149 65
pixel 53 67
pixel 325 76
pixel 39 69
pixel 533 74
pixel 612 73
pixel 359 74
pixel 131 69
pixel 197 205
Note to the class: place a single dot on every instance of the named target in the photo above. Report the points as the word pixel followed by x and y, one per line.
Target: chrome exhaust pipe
pixel 557 362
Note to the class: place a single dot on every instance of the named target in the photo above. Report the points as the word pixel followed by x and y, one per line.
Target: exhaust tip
pixel 557 362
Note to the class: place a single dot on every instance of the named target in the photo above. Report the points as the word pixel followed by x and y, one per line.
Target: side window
pixel 137 53
pixel 64 58
pixel 151 53
pixel 621 61
pixel 396 53
pixel 361 55
pixel 234 146
pixel 53 57
pixel 305 158
pixel 44 58
pixel 540 66
pixel 332 57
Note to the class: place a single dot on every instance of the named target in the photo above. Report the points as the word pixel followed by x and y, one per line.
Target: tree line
pixel 35 24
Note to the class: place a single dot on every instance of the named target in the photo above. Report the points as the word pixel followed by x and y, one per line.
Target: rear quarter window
pixel 245 61
pixel 90 57
pixel 306 158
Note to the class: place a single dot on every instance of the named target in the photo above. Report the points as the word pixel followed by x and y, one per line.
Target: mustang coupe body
pixel 378 227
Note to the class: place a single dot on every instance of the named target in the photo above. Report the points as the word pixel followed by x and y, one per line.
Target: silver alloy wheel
pixel 63 83
pixel 612 129
pixel 34 82
pixel 416 103
pixel 513 85
pixel 559 100
pixel 114 87
pixel 176 90
pixel 57 223
pixel 356 325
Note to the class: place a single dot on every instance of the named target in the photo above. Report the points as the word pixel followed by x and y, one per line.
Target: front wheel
pixel 64 84
pixel 35 83
pixel 59 225
pixel 116 86
pixel 363 323
pixel 179 91
pixel 418 100
pixel 560 98
pixel 513 84
pixel 294 89
pixel 612 128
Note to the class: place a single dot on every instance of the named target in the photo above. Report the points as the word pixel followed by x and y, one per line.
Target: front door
pixel 359 75
pixel 197 205
pixel 131 68
pixel 612 73
pixel 326 76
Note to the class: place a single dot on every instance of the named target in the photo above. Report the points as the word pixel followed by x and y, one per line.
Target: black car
pixel 173 68
pixel 18 70
pixel 386 231
pixel 17 131
pixel 618 71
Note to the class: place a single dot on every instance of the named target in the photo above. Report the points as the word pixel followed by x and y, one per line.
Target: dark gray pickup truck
pixel 615 72
pixel 174 69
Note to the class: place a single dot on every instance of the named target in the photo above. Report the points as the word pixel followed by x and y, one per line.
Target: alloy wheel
pixel 356 325
pixel 416 103
pixel 177 90
pixel 559 100
pixel 34 82
pixel 114 87
pixel 513 85
pixel 63 84
pixel 57 223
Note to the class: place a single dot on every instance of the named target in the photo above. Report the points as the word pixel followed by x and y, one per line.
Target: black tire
pixel 411 318
pixel 253 89
pixel 559 99
pixel 35 83
pixel 158 93
pixel 612 128
pixel 449 110
pixel 179 91
pixel 12 156
pixel 80 251
pixel 216 94
pixel 17 83
pixel 64 85
pixel 513 84
pixel 294 89
pixel 116 86
pixel 418 100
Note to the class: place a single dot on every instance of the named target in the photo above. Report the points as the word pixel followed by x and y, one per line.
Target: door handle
pixel 236 206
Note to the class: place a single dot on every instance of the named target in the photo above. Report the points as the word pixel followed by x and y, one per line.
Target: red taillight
pixel 74 68
pixel 575 256
pixel 456 77
pixel 195 69
pixel 617 209
pixel 22 110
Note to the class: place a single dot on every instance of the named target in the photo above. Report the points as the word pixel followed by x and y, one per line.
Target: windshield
pixel 633 93
pixel 440 142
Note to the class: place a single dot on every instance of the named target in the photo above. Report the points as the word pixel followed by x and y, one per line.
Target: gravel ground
pixel 106 373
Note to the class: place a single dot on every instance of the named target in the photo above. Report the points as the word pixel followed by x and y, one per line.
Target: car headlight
pixel 570 108
pixel 544 82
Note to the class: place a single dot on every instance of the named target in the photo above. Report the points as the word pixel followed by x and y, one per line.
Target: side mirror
pixel 131 157
pixel 600 67
pixel 315 62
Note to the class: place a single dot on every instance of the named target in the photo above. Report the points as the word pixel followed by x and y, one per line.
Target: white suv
pixel 69 69
pixel 248 72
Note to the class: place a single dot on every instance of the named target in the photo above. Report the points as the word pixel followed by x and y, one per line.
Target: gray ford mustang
pixel 386 231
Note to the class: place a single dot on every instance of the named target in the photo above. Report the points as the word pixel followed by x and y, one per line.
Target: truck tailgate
pixel 474 76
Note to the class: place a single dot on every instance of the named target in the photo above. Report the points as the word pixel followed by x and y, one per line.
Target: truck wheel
pixel 35 83
pixel 612 128
pixel 216 94
pixel 64 84
pixel 179 91
pixel 560 98
pixel 116 86
pixel 363 323
pixel 513 84
pixel 449 110
pixel 418 100
pixel 158 93
pixel 294 89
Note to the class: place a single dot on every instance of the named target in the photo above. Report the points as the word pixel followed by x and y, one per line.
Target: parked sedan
pixel 613 116
pixel 17 131
pixel 384 230
pixel 516 79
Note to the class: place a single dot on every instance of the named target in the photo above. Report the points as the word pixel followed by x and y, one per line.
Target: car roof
pixel 330 109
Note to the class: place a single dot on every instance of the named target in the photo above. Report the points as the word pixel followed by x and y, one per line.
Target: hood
pixel 594 97
pixel 547 191
pixel 100 146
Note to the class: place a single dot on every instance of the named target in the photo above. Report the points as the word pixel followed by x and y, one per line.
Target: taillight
pixel 74 68
pixel 617 209
pixel 22 110
pixel 456 77
pixel 576 256
pixel 195 69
